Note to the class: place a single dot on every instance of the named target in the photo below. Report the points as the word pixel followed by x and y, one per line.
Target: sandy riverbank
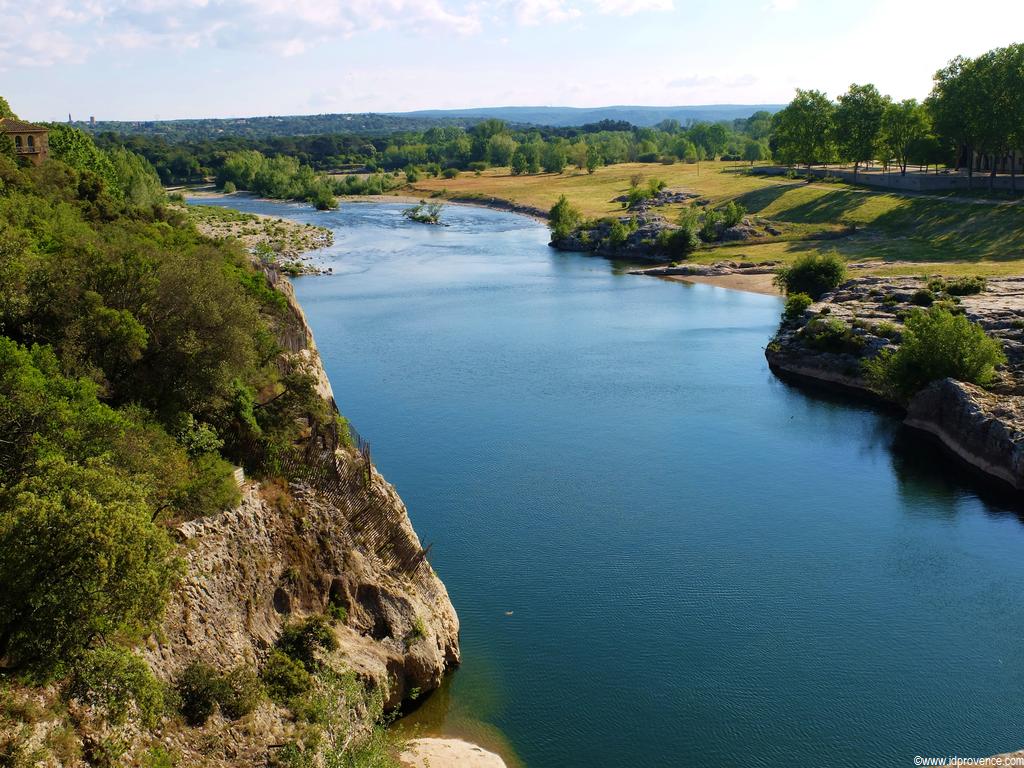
pixel 750 283
pixel 448 753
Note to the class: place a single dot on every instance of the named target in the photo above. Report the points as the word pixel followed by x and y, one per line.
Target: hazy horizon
pixel 164 59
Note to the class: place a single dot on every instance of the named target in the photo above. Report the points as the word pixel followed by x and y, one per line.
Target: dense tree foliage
pixel 975 110
pixel 138 361
pixel 430 151
pixel 858 124
pixel 804 131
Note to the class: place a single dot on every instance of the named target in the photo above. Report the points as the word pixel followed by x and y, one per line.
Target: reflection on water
pixel 705 566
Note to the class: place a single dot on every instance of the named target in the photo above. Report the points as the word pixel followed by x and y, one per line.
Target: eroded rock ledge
pixel 982 427
pixel 340 537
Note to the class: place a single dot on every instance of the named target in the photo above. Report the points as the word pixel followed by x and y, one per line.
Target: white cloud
pixel 73 28
pixel 530 13
pixel 630 7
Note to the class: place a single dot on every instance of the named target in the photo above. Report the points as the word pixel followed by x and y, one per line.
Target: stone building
pixel 30 140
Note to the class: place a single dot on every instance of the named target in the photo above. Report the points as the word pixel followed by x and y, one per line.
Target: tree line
pixel 453 148
pixel 975 110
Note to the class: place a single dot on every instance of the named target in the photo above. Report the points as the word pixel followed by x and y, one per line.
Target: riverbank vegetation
pixel 139 363
pixel 935 343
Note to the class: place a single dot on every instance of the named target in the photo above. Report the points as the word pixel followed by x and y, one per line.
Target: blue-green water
pixel 705 566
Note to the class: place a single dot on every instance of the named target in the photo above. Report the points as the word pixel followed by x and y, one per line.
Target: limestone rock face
pixel 280 556
pixel 983 429
pixel 342 537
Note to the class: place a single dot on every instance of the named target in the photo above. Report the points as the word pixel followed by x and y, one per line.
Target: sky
pixel 165 59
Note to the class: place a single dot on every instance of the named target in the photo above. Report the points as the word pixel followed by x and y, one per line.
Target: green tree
pixel 80 559
pixel 594 159
pixel 813 273
pixel 77 149
pixel 563 219
pixel 804 129
pixel 553 158
pixel 5 109
pixel 500 149
pixel 957 108
pixel 858 124
pixel 754 151
pixel 519 162
pixel 904 123
pixel 137 179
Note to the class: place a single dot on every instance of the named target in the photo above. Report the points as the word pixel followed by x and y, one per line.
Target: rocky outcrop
pixel 828 344
pixel 982 429
pixel 717 269
pixel 660 198
pixel 340 537
pixel 647 236
pixel 628 237
pixel 285 553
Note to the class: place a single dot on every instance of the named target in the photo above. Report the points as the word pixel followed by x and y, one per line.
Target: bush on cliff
pixel 201 688
pixel 796 303
pixel 118 684
pixel 563 219
pixel 936 344
pixel 830 334
pixel 814 274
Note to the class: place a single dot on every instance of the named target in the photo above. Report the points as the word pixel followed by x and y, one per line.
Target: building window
pixel 17 142
pixel 31 142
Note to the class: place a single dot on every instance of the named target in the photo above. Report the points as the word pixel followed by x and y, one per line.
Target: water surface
pixel 703 565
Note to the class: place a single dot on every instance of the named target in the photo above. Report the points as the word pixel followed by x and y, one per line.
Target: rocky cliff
pixel 832 338
pixel 340 539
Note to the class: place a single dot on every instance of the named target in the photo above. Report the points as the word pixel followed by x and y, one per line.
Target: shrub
pixel 831 335
pixel 620 232
pixel 709 229
pixel 813 274
pixel 477 166
pixel 229 187
pixel 337 613
pixel 412 175
pixel 677 242
pixel 323 199
pixel 284 677
pixel 965 286
pixel 200 687
pixel 304 640
pixel 886 330
pixel 563 218
pixel 450 173
pixel 732 214
pixel 936 344
pixel 241 692
pixel 114 680
pixel 922 298
pixel 796 303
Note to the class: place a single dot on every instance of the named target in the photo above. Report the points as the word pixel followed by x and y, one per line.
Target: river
pixel 661 554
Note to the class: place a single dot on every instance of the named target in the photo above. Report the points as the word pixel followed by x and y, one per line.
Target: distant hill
pixel 570 116
pixel 371 123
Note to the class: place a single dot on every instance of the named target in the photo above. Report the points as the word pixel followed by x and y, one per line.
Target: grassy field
pixel 898 233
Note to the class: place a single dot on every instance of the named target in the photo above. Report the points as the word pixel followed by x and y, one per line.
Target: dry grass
pixel 905 234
